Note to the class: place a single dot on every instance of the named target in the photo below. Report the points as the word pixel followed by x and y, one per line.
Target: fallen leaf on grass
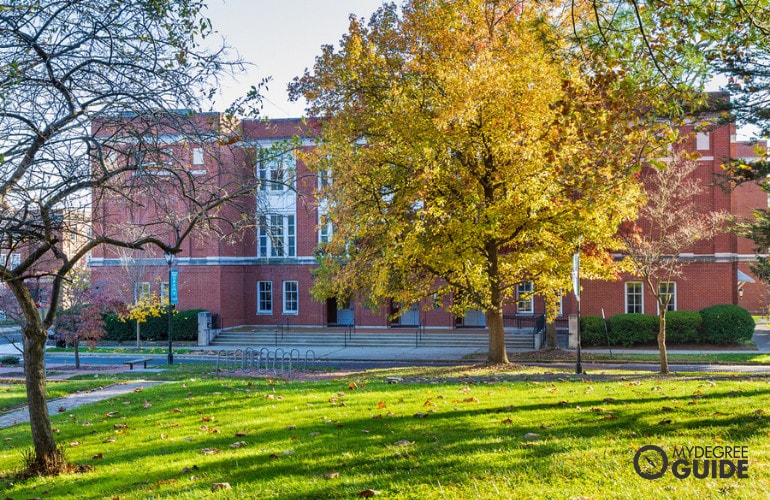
pixel 665 421
pixel 238 444
pixel 531 435
pixel 139 389
pixel 220 486
pixel 609 416
pixel 403 442
pixel 507 421
pixel 207 419
pixel 420 415
pixel 352 386
pixel 332 475
pixel 210 451
pixel 98 456
pixel 368 493
pixel 240 434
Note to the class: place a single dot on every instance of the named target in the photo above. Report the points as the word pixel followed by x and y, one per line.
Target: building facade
pixel 262 275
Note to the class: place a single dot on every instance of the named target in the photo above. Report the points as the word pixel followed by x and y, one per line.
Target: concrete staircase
pixel 407 338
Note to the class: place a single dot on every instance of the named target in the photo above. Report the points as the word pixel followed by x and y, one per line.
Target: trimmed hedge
pixel 683 326
pixel 725 324
pixel 592 331
pixel 630 329
pixel 184 323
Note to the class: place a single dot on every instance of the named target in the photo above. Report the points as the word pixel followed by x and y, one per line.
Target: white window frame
pixel 264 297
pixel 702 141
pixel 525 305
pixel 325 228
pixel 197 156
pixel 274 169
pixel 628 294
pixel 671 285
pixel 277 236
pixel 142 290
pixel 291 297
pixel 11 261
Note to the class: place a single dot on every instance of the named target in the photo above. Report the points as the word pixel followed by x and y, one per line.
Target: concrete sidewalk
pixel 75 400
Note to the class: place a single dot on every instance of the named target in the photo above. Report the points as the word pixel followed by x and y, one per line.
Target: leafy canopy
pixel 472 147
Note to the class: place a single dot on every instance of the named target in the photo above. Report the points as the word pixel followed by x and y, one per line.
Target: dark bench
pixel 133 362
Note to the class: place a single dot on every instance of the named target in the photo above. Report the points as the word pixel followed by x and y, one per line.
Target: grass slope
pixel 437 433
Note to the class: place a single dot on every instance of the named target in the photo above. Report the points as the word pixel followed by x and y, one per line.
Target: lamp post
pixel 576 289
pixel 169 260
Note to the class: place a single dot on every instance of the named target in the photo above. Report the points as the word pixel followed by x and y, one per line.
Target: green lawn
pixel 437 433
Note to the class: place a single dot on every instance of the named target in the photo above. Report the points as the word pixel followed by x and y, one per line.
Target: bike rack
pixel 264 360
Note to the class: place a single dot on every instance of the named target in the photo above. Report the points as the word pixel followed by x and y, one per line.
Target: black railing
pixel 350 329
pixel 533 322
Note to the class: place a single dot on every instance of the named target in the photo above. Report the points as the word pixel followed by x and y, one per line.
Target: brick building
pixel 263 276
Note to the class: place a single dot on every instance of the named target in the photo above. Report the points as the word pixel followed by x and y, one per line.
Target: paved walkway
pixel 75 400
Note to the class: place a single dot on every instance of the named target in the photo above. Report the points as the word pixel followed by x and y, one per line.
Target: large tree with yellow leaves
pixel 471 148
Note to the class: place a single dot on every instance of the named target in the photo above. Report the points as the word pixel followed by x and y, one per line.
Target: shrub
pixel 683 326
pixel 726 323
pixel 9 361
pixel 592 331
pixel 184 323
pixel 630 329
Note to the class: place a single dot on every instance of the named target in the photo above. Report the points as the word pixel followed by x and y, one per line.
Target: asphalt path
pixel 592 367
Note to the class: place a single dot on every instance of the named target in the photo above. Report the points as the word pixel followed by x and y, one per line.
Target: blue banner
pixel 173 279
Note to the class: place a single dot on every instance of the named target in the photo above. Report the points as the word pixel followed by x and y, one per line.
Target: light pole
pixel 576 289
pixel 169 260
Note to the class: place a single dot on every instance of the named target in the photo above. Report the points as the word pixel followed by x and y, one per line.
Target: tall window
pixel 264 297
pixel 274 169
pixel 290 297
pixel 667 290
pixel 277 236
pixel 525 300
pixel 634 297
pixel 142 290
pixel 324 229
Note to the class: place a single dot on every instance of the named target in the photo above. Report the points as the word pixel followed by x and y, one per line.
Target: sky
pixel 280 38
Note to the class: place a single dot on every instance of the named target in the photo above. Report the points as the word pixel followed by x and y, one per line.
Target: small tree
pixel 143 309
pixel 668 225
pixel 82 315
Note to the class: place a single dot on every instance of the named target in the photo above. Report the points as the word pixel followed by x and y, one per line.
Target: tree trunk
pixel 551 340
pixel 498 353
pixel 46 460
pixel 76 345
pixel 662 343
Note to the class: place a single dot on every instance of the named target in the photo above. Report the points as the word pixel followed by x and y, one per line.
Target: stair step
pixel 262 338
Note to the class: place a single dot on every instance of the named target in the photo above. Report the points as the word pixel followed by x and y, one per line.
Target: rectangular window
pixel 274 170
pixel 634 297
pixel 667 292
pixel 525 299
pixel 290 297
pixel 264 297
pixel 141 290
pixel 277 236
pixel 325 230
pixel 324 179
pixel 197 156
pixel 702 141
